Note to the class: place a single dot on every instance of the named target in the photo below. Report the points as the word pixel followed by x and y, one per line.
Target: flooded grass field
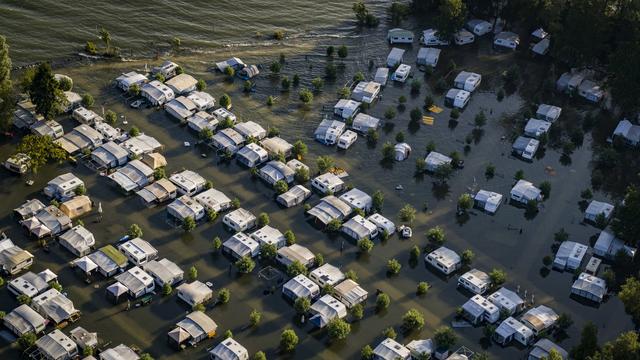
pixel 506 240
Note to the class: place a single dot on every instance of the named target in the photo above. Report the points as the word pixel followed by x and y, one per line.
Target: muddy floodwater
pixel 506 240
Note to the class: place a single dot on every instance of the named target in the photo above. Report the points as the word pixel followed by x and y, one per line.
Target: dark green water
pixel 490 237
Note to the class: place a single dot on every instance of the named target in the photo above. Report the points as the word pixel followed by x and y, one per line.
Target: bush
pixel 366 353
pixel 455 113
pixel 302 305
pixel 296 268
pixel 389 333
pixel 415 115
pixel 225 100
pixel 343 52
pixel 305 95
pixel 413 320
pixel 388 151
pixel 290 237
pixel 338 329
pixel 421 165
pixel 278 35
pixel 372 137
pixel 365 245
pixel 545 189
pixel 445 337
pixel 393 267
pixel 188 224
pixel 270 100
pixel 423 288
pixel 288 340
pixel 193 273
pixel 87 100
pixel 436 235
pixel 247 86
pixel 382 301
pixel 407 213
pixel 480 119
pixel 415 86
pixel 390 113
pixel 285 83
pixel 519 175
pixel 334 225
pixel 467 256
pixel 490 171
pixel 275 67
pixel 90 48
pixel 245 264
pixel 330 50
pixel 134 231
pixel 498 277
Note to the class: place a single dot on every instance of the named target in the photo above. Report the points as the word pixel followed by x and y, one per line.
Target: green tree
pixel 305 95
pixel 288 340
pixel 324 163
pixel 465 202
pixel 467 256
pixel 318 259
pixel 545 189
pixel 389 332
pixel 388 151
pixel 358 76
pixel 111 117
pixel 451 18
pixel 382 301
pixel 317 84
pixel 625 347
pixel 285 83
pixel 217 243
pixel 365 245
pixel 498 277
pixel 338 329
pixel 260 355
pixel 330 50
pixel 344 93
pixel 390 113
pixel 224 295
pixel 275 67
pixel 225 101
pixel 105 36
pixel 135 90
pixel 413 320
pixel 588 345
pixel 296 268
pixel 27 340
pixel 254 318
pixel 357 311
pixel 188 224
pixel 245 265
pixel 227 334
pixel 630 296
pixel 44 92
pixel 343 52
pixel 407 213
pixel 300 149
pixel 398 12
pixel 263 219
pixel 41 150
pixel 281 186
pixel 366 353
pixel 377 200
pixel 302 305
pixel 423 288
pixel 290 237
pixel 87 100
pixel 445 337
pixel 193 273
pixel 625 224
pixel 480 119
pixel 91 48
pixel 135 231
pixel 436 235
pixel 166 289
pixel 302 175
pixel 201 85
pixel 268 251
pixel 351 274
pixel 393 267
pixel 134 131
pixel 7 102
pixel 443 173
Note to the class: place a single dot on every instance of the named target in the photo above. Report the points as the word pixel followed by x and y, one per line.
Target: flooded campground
pixel 506 240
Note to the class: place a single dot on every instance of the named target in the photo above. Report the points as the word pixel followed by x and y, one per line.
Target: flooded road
pixel 496 240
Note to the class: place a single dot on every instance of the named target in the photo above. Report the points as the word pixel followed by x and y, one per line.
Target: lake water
pixel 496 240
pixel 42 30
